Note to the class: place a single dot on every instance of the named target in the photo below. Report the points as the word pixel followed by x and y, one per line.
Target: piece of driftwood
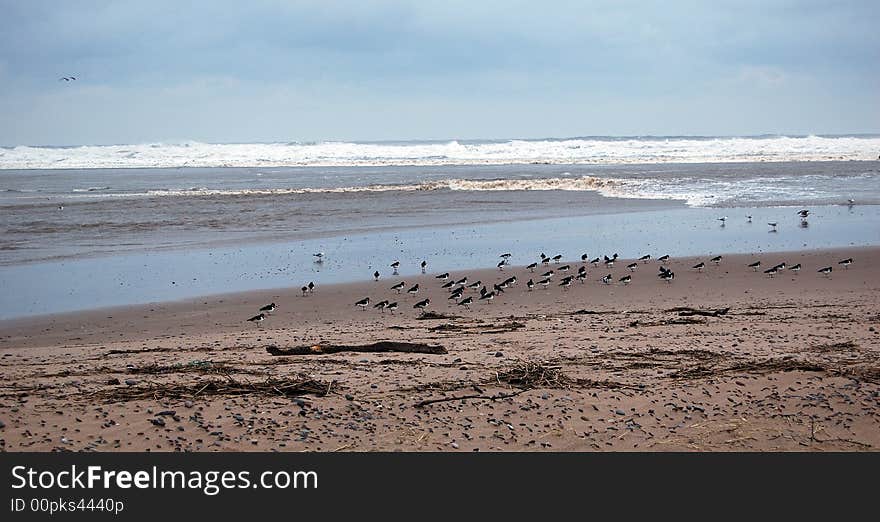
pixel 382 346
pixel 424 316
pixel 686 311
pixel 495 397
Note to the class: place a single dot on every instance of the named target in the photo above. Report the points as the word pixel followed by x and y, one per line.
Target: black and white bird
pixel 448 284
pixel 595 261
pixel 803 213
pixel 584 257
pixel 510 281
pixel 564 268
pixel 748 219
pixel 259 318
pixel 399 286
pixel 846 262
pixel 421 305
pixel 505 255
pixel 772 271
pixel 424 266
pixel 795 268
pixel 825 271
pixel 663 259
pixel 413 290
pixel 363 303
pixel 319 257
pixel 530 285
pixel 699 266
pixel 566 282
pixel 501 264
pixel 755 266
pixel 444 276
pixel 607 279
pixel 532 266
pixel 462 281
pixel 723 220
pixel 557 257
pixel 305 290
pixel 475 285
pixel 625 279
pixel 632 266
pixel 395 265
pixel 466 302
pixel 716 260
pixel 667 276
pixel 582 277
pixel 499 289
pixel 772 226
pixel 548 274
pixel 381 305
pixel 311 287
pixel 487 297
pixel 392 307
pixel 544 282
pixel 645 258
pixel 269 308
pixel 780 267
pixel 456 293
pixel 376 275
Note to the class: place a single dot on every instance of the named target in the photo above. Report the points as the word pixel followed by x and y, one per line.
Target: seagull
pixel 363 303
pixel 269 308
pixel 376 275
pixel 850 202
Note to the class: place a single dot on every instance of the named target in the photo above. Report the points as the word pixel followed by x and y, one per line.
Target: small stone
pixel 499 354
pixel 349 397
pixel 2 424
pixel 619 412
pixel 158 421
pixel 188 404
pixel 113 382
pixel 131 382
pixel 454 445
pixel 167 413
pixel 237 416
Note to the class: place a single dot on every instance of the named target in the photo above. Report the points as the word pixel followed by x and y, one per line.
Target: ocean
pixel 95 226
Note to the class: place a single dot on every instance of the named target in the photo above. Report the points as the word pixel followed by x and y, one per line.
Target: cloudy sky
pixel 223 71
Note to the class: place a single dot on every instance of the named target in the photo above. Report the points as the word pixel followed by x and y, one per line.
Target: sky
pixel 266 71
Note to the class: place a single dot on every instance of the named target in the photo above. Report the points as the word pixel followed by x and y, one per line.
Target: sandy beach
pixel 723 359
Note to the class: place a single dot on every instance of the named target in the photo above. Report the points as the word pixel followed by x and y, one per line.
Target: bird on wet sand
pixel 363 303
pixel 376 275
pixel 259 318
pixel 269 308
pixel 399 286
pixel 421 305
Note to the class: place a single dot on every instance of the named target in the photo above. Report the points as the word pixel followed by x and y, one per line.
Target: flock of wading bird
pixel 457 288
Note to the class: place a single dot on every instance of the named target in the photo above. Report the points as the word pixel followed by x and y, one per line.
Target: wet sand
pixel 793 365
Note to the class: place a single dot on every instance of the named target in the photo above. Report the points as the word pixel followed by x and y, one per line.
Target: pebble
pixel 349 397
pixel 131 382
pixel 454 445
pixel 619 412
pixel 2 424
pixel 113 382
pixel 499 354
pixel 158 421
pixel 188 404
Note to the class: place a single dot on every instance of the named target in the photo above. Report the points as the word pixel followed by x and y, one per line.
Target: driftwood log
pixel 382 346
pixel 686 311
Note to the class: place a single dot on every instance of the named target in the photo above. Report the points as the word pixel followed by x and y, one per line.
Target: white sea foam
pixel 568 151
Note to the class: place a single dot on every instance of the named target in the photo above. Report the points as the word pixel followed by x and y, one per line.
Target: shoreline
pixel 592 368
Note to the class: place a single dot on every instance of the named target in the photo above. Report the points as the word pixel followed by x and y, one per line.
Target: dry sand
pixel 794 365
